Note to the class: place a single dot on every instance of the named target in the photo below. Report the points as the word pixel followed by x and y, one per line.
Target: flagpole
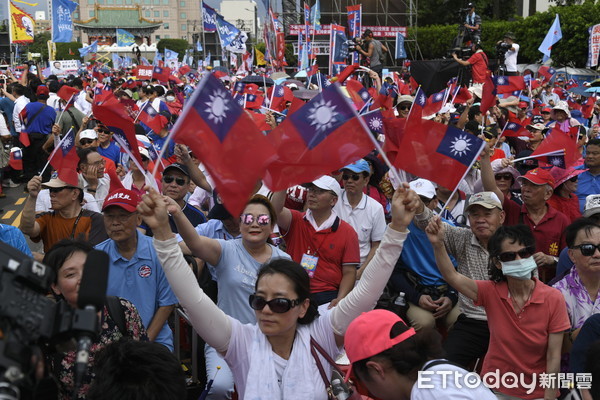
pixel 273 111
pixel 125 148
pixel 552 153
pixel 63 111
pixel 54 151
pixel 501 133
pixel 141 109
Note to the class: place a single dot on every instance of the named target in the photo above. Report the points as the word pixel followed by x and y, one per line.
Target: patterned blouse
pixel 63 365
pixel 579 304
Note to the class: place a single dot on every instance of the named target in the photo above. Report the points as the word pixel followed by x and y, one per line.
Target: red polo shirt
pixel 335 247
pixel 479 66
pixel 518 342
pixel 549 233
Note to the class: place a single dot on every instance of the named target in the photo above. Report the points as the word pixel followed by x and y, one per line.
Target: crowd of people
pixel 499 275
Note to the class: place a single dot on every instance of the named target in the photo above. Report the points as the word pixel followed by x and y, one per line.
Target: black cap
pixel 180 167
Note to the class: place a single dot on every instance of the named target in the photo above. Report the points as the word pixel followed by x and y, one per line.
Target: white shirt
pixel 4 130
pixel 82 104
pixel 20 104
pixel 510 61
pixel 53 101
pixel 367 219
pixel 101 190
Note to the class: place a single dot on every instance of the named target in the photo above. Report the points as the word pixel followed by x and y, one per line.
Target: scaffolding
pixel 374 13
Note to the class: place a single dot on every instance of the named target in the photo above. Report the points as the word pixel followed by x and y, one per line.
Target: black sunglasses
pixel 512 255
pixel 403 108
pixel 587 249
pixel 85 142
pixel 178 180
pixel 347 177
pixel 278 305
pixel 506 177
pixel 58 189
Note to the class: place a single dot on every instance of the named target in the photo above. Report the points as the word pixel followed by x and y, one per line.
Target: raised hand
pixel 153 210
pixel 405 203
pixel 34 186
pixel 435 231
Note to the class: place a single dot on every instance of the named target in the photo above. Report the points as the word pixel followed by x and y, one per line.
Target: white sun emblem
pixel 217 107
pixel 280 92
pixel 500 80
pixel 556 161
pixel 67 143
pixel 322 115
pixel 460 145
pixel 376 124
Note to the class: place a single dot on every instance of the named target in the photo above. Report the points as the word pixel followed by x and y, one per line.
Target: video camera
pixel 501 49
pixel 28 319
pixel 352 43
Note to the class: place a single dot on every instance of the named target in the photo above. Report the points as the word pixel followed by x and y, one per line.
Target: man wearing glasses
pixel 135 272
pixel 325 245
pixel 362 212
pixel 176 185
pixel 92 177
pixel 66 220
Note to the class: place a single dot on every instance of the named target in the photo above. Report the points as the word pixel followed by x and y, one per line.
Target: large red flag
pixel 357 92
pixel 221 134
pixel 67 92
pixel 438 152
pixel 509 84
pixel 322 136
pixel 514 129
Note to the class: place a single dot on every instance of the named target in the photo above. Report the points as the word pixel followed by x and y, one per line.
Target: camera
pixel 352 43
pixel 501 49
pixel 30 320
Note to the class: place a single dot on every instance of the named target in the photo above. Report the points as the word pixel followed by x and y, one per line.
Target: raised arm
pixel 435 233
pixel 200 246
pixel 182 153
pixel 487 175
pixel 284 215
pixel 376 275
pixel 212 324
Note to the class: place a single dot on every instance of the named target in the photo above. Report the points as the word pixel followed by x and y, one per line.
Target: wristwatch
pixel 555 260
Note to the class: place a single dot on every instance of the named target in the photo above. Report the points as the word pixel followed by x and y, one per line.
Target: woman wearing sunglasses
pixel 526 318
pixel 272 359
pixel 234 265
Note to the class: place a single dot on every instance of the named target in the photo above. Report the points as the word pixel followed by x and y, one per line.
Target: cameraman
pixel 472 24
pixel 512 50
pixel 478 62
pixel 375 51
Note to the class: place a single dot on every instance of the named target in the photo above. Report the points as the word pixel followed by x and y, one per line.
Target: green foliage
pixel 447 11
pixel 62 51
pixel 436 40
pixel 40 44
pixel 290 57
pixel 177 45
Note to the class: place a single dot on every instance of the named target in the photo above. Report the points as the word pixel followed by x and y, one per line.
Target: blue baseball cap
pixel 359 166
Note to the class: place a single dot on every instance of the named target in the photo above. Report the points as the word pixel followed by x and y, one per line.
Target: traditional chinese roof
pixel 118 17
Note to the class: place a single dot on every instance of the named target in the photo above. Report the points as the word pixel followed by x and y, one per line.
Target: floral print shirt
pixel 579 304
pixel 63 364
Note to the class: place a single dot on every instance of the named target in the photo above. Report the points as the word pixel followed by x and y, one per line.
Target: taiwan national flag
pixel 254 101
pixel 572 83
pixel 322 136
pixel 161 73
pixel 225 138
pixel 547 73
pixel 349 70
pixel 513 129
pixel 15 159
pixel 508 84
pixel 488 96
pixel 152 119
pixel 462 95
pixel 358 93
pixel 68 94
pixel 441 153
pixel 587 108
pixel 561 143
pixel 374 121
pixel 435 102
pixel 279 96
pixel 64 159
pixel 115 118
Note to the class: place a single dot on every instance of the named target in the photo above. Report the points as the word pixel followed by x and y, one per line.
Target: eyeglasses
pixel 512 255
pixel 261 219
pixel 58 189
pixel 505 177
pixel 85 142
pixel 587 249
pixel 178 180
pixel 347 177
pixel 98 163
pixel 278 305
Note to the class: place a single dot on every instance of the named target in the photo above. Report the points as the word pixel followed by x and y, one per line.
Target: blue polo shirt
pixel 142 281
pixel 112 151
pixel 587 184
pixel 213 229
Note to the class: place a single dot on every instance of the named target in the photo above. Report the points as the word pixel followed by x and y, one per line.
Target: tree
pixel 64 50
pixel 177 45
pixel 40 44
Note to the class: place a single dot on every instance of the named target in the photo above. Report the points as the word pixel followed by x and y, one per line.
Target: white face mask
pixel 170 98
pixel 520 269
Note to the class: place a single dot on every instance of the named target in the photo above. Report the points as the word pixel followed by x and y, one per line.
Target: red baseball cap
pixel 124 198
pixel 538 176
pixel 522 104
pixel 369 334
pixel 42 90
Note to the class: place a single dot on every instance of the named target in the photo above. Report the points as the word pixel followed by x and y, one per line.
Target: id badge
pixel 309 263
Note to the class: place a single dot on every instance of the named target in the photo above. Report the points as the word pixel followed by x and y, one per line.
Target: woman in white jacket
pixel 272 359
